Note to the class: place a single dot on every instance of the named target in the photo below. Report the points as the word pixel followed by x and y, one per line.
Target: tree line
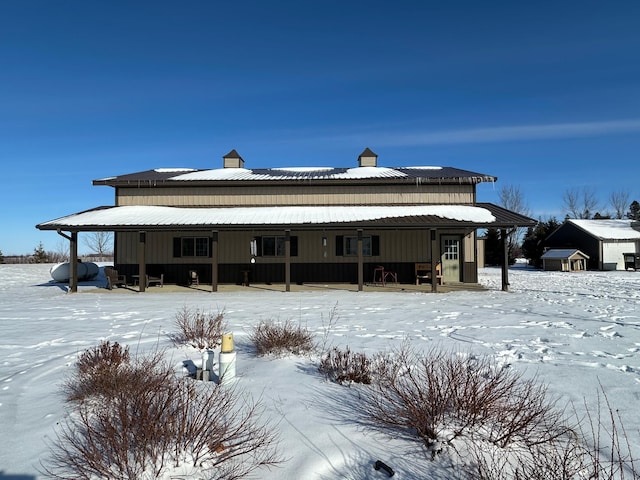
pixel 99 246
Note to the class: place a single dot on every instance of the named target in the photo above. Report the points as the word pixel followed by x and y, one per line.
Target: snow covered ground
pixel 574 330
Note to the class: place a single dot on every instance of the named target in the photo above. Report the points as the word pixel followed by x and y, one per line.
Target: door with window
pixel 451 258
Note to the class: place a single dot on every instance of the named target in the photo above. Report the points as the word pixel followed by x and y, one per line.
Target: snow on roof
pixel 331 173
pixel 169 170
pixel 370 172
pixel 302 169
pixel 424 167
pixel 217 174
pixel 562 253
pixel 608 229
pixel 157 215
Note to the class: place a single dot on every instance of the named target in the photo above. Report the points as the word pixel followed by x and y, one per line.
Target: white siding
pixel 612 253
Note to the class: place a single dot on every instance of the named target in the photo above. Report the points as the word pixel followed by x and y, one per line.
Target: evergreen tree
pixel 493 247
pixel 39 254
pixel 634 211
pixel 534 241
pixel 1 257
pixel 494 251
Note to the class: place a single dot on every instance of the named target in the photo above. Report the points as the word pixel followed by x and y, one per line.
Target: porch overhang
pixel 161 218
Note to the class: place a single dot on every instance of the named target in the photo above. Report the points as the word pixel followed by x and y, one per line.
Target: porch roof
pixel 161 218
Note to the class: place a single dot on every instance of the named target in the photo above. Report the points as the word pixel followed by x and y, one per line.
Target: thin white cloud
pixel 501 134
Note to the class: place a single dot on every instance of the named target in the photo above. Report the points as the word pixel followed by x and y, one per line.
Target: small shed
pixel 564 260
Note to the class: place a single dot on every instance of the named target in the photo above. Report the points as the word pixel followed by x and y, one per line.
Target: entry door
pixel 451 258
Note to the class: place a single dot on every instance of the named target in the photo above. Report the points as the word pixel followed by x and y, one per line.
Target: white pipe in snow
pixel 227 366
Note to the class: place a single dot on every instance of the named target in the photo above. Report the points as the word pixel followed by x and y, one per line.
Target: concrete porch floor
pixel 306 287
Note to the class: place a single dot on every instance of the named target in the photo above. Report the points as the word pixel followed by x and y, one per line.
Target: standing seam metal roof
pixel 425 174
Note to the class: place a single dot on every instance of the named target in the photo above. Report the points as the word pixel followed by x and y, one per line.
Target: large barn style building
pixel 606 242
pixel 295 225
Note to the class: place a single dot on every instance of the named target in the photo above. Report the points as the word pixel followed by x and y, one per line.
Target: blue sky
pixel 544 95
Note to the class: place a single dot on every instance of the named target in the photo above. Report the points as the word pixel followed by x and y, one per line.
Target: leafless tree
pixel 61 253
pixel 620 201
pixel 512 198
pixel 100 243
pixel 580 203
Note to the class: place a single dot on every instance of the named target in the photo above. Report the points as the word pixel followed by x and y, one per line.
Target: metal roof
pixel 561 253
pixel 157 218
pixel 608 229
pixel 417 174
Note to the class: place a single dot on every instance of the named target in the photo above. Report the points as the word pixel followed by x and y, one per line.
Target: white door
pixel 451 258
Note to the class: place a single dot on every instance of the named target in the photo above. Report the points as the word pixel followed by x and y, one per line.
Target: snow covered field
pixel 574 330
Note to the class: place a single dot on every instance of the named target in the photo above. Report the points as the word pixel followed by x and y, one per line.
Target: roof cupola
pixel 368 159
pixel 233 160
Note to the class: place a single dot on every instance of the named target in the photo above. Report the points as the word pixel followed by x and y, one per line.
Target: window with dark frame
pixel 274 246
pixel 194 247
pixel 347 245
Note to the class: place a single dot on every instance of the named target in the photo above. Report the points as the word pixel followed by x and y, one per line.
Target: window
pixel 451 247
pixel 351 246
pixel 347 246
pixel 274 246
pixel 191 247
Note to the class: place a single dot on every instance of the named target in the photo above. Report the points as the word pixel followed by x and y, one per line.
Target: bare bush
pixel 327 326
pixel 157 422
pixel 493 421
pixel 346 367
pixel 281 338
pixel 442 396
pixel 98 370
pixel 202 330
pixel 610 454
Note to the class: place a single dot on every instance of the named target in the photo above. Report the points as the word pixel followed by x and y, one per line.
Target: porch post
pixel 73 262
pixel 505 260
pixel 360 262
pixel 435 258
pixel 214 261
pixel 287 260
pixel 142 264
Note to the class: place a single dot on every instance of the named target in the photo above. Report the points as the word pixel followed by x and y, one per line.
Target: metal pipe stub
pixel 380 465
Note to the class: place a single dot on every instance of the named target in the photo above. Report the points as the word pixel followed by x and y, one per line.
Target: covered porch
pixel 210 223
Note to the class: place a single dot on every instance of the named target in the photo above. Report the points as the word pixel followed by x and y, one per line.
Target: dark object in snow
pixel 383 466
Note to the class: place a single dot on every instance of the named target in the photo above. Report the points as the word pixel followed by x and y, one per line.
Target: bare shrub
pixel 281 338
pixel 327 326
pixel 159 422
pixel 202 330
pixel 442 396
pixel 493 421
pixel 346 367
pixel 610 455
pixel 98 370
pixel 560 459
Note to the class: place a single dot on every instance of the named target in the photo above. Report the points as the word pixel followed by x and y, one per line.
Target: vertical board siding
pixel 297 195
pixel 234 247
pixel 399 251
